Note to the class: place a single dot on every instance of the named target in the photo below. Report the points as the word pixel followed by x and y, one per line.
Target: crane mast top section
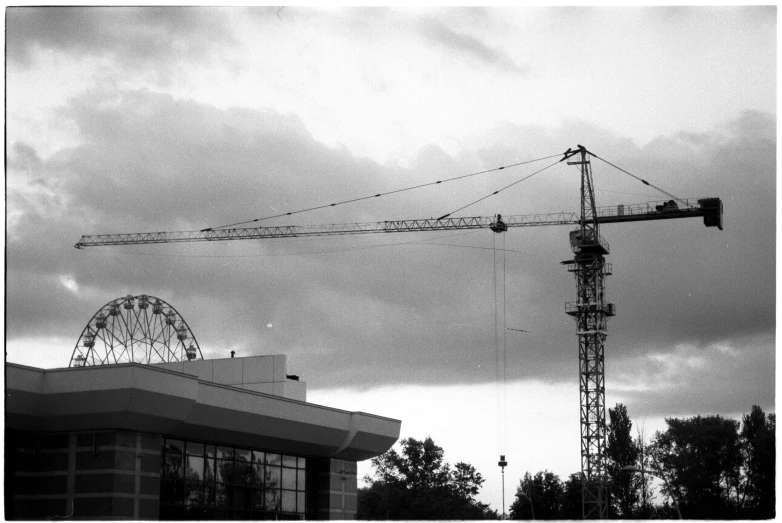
pixel 587 238
pixel 588 206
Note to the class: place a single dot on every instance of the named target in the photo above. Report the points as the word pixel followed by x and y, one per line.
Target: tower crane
pixel 590 310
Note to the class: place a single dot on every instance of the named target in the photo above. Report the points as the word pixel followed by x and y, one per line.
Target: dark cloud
pixel 142 39
pixel 357 311
pixel 379 24
pixel 468 46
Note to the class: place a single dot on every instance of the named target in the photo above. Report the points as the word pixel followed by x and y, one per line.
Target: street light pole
pixel 502 463
pixel 660 475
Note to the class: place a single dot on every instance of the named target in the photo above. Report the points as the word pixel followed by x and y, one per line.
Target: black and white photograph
pixel 435 262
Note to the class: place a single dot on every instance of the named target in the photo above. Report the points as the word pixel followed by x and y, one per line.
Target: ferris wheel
pixel 135 329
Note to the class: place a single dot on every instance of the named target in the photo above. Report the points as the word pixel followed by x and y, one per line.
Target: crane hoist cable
pixel 383 194
pixel 504 352
pixel 496 349
pixel 500 348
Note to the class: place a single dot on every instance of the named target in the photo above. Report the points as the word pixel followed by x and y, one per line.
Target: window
pixel 201 480
pixel 289 479
pixel 172 459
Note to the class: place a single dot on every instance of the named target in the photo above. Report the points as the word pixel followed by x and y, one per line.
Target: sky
pixel 162 119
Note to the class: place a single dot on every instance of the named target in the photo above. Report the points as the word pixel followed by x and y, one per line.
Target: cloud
pixel 136 38
pixel 442 33
pixel 364 311
pixel 468 46
pixel 727 376
pixel 69 283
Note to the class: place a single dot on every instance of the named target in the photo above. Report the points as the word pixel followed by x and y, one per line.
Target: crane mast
pixel 590 310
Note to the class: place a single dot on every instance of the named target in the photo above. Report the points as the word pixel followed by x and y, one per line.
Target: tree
pixel 622 451
pixel 416 483
pixel 701 458
pixel 645 462
pixel 421 464
pixel 466 480
pixel 538 497
pixel 758 438
pixel 571 497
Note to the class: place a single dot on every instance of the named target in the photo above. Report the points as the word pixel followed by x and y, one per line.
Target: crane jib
pixel 709 208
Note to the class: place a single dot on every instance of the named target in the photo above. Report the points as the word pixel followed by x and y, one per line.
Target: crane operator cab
pixel 588 243
pixel 575 241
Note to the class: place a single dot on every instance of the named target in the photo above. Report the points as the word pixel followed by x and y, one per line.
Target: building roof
pixel 151 398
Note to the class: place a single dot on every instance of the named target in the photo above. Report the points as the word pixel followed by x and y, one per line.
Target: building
pixel 205 439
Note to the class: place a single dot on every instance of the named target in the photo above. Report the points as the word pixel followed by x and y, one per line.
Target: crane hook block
pixel 499 225
pixel 502 463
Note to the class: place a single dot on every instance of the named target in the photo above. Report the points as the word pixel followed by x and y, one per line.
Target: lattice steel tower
pixel 590 312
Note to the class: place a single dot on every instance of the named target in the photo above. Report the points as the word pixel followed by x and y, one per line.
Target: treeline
pixel 418 484
pixel 709 467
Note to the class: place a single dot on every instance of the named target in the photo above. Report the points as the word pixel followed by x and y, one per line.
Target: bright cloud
pixel 69 283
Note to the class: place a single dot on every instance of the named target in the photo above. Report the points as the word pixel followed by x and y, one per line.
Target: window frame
pixel 248 476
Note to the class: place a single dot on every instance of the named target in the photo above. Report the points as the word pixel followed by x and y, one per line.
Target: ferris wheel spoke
pixel 106 343
pixel 137 341
pixel 143 322
pixel 130 325
pixel 161 338
pixel 159 334
pixel 140 316
pixel 121 342
pixel 167 344
pixel 126 336
pixel 169 330
pixel 152 337
pixel 154 348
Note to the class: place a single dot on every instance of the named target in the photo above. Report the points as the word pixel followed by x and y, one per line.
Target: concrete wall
pixel 265 374
pixel 333 491
pixel 75 475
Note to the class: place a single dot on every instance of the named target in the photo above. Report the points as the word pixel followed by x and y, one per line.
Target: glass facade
pixel 208 481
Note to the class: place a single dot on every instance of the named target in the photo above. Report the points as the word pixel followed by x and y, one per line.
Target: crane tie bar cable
pixel 381 194
pixel 500 190
pixel 641 180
